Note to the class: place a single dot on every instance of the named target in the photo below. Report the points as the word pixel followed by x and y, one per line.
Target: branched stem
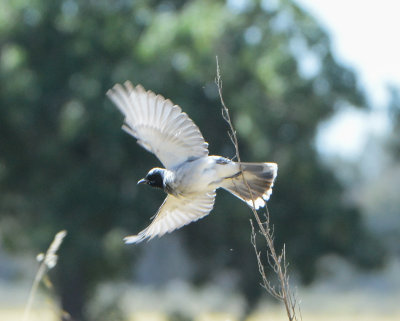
pixel 276 261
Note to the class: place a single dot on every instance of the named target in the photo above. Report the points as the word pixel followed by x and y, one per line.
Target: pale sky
pixel 365 37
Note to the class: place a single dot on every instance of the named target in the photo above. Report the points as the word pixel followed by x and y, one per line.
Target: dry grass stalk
pixel 47 261
pixel 277 262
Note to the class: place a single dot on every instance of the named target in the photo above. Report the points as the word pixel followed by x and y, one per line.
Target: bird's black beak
pixel 143 181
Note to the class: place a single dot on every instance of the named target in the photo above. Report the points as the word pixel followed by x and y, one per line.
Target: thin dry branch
pixel 276 261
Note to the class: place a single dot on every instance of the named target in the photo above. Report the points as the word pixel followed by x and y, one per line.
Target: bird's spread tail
pixel 259 177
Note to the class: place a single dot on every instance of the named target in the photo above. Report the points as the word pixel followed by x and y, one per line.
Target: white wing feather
pixel 174 213
pixel 159 126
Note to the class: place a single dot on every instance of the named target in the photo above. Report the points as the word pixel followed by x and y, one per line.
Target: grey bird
pixel 190 177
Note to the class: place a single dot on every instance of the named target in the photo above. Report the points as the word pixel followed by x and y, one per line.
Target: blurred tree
pixel 65 164
pixel 394 112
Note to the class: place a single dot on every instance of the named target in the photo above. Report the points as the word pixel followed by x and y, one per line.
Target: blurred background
pixel 311 85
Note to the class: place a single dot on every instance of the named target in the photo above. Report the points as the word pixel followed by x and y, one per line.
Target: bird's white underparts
pixel 190 177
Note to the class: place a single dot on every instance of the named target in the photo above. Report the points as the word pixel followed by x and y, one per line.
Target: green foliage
pixel 394 110
pixel 65 163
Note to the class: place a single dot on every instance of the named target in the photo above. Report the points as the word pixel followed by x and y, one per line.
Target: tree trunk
pixel 73 295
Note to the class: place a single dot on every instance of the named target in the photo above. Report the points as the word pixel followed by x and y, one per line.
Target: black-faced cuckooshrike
pixel 190 177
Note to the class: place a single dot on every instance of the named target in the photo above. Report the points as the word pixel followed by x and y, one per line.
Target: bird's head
pixel 155 178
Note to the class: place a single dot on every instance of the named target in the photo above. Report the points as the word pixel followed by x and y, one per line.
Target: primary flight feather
pixel 190 177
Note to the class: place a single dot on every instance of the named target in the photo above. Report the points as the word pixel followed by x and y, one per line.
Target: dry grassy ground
pixel 347 295
pixel 15 314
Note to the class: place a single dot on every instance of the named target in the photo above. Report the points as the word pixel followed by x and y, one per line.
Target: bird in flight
pixel 190 177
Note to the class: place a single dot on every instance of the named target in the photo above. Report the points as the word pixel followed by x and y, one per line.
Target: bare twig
pixel 48 261
pixel 276 261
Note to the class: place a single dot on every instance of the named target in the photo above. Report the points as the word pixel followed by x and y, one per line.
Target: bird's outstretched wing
pixel 174 213
pixel 159 126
